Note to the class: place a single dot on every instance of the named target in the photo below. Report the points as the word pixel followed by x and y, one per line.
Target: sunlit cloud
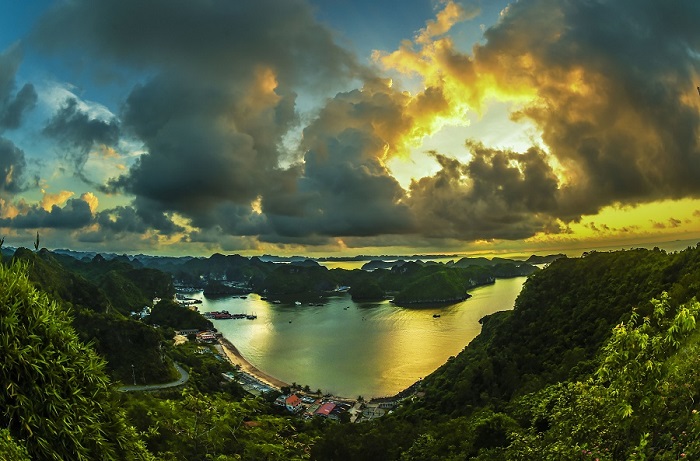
pixel 48 201
pixel 565 123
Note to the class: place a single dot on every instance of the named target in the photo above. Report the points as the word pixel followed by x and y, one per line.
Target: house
pixel 325 409
pixel 206 337
pixel 292 403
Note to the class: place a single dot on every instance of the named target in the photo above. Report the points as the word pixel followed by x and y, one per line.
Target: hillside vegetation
pixel 599 360
pixel 55 397
pixel 99 295
pixel 570 373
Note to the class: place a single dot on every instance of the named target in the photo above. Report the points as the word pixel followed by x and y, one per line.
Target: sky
pixel 344 127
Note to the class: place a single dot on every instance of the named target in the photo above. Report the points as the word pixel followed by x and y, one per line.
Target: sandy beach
pixel 237 359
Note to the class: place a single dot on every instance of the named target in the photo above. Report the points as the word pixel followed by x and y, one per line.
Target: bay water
pixel 350 349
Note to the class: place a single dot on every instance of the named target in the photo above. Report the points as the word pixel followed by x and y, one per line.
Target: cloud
pixel 121 220
pixel 673 222
pixel 12 158
pixel 610 84
pixel 79 132
pixel 220 96
pixel 343 187
pixel 48 201
pixel 12 165
pixel 496 195
pixel 12 108
pixel 74 215
pixel 24 100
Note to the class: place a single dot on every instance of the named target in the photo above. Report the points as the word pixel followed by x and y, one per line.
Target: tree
pixel 10 449
pixel 55 395
pixel 640 402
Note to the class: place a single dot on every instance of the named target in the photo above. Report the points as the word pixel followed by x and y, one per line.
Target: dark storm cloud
pixel 497 194
pixel 151 214
pixel 79 132
pixel 344 189
pixel 610 85
pixel 220 97
pixel 220 38
pixel 13 109
pixel 197 136
pixel 12 165
pixel 74 215
pixel 13 106
pixel 616 94
pixel 126 222
pixel 120 220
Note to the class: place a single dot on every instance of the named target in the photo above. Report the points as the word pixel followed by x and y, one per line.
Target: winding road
pixel 184 376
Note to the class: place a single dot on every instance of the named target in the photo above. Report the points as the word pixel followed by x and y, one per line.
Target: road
pixel 184 376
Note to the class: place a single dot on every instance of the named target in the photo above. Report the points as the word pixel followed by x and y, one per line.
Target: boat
pixel 297 303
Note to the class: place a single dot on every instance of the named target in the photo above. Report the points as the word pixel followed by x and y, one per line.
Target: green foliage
pixel 46 272
pixel 197 426
pixel 369 290
pixel 205 368
pixel 569 383
pixel 127 288
pixel 576 302
pixel 437 287
pixel 125 342
pixel 483 433
pixel 55 395
pixel 289 280
pixel 168 313
pixel 9 448
pixel 639 404
pixel 122 341
pixel 372 441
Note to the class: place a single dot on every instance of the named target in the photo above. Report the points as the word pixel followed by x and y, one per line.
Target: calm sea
pixel 351 349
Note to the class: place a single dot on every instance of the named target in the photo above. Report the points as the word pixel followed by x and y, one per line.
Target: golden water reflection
pixel 351 349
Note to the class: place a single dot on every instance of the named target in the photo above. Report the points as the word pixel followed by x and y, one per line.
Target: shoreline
pixel 237 358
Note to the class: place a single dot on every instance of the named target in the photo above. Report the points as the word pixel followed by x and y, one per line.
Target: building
pixel 206 337
pixel 292 403
pixel 325 409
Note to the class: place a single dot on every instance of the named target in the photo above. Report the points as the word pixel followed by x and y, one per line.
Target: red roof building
pixel 292 402
pixel 325 409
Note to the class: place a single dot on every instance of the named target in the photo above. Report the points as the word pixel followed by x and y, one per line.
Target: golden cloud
pixel 91 200
pixel 48 201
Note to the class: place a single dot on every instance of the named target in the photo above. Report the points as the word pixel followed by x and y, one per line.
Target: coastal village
pixel 294 399
pixel 225 282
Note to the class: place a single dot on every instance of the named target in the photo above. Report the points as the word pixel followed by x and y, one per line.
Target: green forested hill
pixel 600 359
pixel 57 403
pixel 55 397
pixel 98 294
pixel 476 405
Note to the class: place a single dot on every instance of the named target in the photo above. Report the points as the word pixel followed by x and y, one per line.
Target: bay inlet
pixel 350 349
